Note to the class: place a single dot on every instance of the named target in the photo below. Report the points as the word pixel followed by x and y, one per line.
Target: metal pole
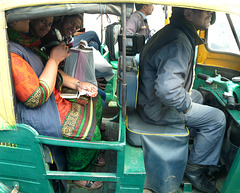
pixel 124 84
pixel 102 29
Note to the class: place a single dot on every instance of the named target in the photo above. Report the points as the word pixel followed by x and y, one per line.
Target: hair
pixel 139 6
pixel 74 15
pixel 177 11
pixel 59 20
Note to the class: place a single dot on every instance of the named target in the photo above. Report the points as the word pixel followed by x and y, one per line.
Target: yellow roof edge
pixel 229 6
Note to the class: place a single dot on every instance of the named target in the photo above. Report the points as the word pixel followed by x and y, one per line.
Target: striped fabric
pixel 78 121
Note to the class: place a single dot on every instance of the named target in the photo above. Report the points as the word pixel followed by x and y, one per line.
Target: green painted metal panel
pixel 114 64
pixel 231 184
pixel 134 162
pixel 4 188
pixel 111 87
pixel 134 170
pixel 21 161
pixel 187 187
pixel 113 145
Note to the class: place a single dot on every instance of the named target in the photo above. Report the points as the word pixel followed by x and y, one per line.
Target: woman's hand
pixel 49 74
pixel 92 89
pixel 60 52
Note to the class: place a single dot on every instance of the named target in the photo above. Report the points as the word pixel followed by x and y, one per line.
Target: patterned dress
pixel 79 122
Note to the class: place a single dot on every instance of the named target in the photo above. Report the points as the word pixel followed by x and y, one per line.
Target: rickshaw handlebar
pixel 203 76
pixel 230 98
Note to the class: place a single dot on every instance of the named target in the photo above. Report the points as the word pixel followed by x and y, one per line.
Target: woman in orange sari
pixel 35 79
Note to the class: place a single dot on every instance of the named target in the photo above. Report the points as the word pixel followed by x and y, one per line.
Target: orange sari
pixel 28 88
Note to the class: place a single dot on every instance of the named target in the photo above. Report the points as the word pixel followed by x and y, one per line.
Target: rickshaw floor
pixel 109 134
pixel 186 187
pixel 110 112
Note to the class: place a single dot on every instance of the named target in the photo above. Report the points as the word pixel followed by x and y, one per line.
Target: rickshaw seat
pixel 165 151
pixel 165 148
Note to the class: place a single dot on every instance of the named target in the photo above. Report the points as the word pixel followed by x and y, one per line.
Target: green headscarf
pixel 29 41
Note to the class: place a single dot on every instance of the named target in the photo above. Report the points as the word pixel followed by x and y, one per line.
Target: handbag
pixel 80 65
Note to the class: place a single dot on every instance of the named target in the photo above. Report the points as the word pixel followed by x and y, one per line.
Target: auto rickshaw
pixel 24 160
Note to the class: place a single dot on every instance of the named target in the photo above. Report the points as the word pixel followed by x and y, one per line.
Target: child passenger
pixel 39 103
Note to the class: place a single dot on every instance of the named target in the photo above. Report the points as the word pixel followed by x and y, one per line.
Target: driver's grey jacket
pixel 166 74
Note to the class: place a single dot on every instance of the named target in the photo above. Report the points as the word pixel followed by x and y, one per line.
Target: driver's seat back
pixel 165 148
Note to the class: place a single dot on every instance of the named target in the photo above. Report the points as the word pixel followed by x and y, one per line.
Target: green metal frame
pixel 111 88
pixel 112 84
pixel 231 183
pixel 22 161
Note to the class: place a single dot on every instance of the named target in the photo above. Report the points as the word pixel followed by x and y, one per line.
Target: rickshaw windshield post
pixel 233 30
pixel 102 28
pixel 124 84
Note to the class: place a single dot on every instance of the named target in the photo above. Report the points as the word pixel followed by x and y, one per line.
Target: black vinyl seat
pixel 165 148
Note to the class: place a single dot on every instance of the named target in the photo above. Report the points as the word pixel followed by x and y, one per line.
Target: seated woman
pixel 67 26
pixel 39 104
pixel 63 29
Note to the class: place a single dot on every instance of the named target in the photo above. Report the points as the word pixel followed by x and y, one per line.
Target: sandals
pixel 99 161
pixel 90 185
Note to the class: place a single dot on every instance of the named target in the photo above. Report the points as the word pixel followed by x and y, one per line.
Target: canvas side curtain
pixel 7 115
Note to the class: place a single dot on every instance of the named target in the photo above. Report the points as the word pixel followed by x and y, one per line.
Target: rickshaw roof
pixel 25 9
pixel 230 6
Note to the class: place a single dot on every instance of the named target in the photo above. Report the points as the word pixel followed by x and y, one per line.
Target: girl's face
pixel 41 26
pixel 20 26
pixel 70 26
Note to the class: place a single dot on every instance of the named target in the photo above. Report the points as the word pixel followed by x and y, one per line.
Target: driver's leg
pixel 209 124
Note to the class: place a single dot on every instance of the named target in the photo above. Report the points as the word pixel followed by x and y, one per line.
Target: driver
pixel 165 91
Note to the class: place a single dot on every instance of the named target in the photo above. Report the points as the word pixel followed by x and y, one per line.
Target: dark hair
pixel 178 11
pixel 71 16
pixel 139 6
pixel 58 20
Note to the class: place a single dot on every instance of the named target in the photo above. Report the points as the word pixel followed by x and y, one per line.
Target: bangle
pixel 77 85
